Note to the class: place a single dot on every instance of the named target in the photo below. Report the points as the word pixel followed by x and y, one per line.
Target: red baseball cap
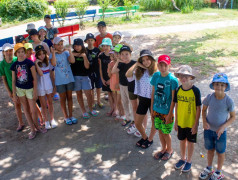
pixel 165 59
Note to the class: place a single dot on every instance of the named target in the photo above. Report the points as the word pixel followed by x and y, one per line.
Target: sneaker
pixel 54 124
pixel 132 129
pixel 187 167
pixel 68 121
pixel 106 97
pixel 206 172
pixel 216 176
pixel 179 164
pixel 47 125
pixel 56 97
pixel 94 113
pixel 74 120
pixel 137 134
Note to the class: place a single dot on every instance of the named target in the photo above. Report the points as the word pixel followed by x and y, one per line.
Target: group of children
pixel 42 66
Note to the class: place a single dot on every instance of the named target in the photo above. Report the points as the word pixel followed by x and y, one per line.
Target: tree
pixel 61 10
pixel 80 8
pixel 128 5
pixel 104 4
pixel 175 6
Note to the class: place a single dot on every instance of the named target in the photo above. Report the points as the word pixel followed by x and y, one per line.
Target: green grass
pixel 17 22
pixel 206 50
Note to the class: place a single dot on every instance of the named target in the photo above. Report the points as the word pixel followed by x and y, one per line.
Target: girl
pixel 42 36
pixel 64 80
pixel 30 54
pixel 104 60
pixel 44 86
pixel 24 86
pixel 144 69
pixel 82 81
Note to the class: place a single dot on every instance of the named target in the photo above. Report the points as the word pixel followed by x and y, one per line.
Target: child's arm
pixel 175 117
pixel 53 59
pixel 38 69
pixel 115 69
pixel 228 123
pixel 204 116
pixel 109 70
pixel 85 61
pixel 130 71
pixel 152 103
pixel 14 87
pixel 100 71
pixel 52 77
pixel 71 56
pixel 196 124
pixel 33 72
pixel 7 87
pixel 169 116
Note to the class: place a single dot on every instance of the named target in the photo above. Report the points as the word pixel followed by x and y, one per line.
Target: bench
pixel 68 31
pixel 6 40
pixel 118 10
pixel 74 15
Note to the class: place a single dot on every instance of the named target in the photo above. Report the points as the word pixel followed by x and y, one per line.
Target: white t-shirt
pixel 44 82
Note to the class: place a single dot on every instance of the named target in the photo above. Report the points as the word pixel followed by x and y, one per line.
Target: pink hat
pixel 165 59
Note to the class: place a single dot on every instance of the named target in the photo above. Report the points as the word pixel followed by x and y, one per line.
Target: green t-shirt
pixel 5 71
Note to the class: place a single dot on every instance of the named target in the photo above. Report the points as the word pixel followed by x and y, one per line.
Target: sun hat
pixel 117 48
pixel 47 16
pixel 28 46
pixel 33 32
pixel 145 52
pixel 89 36
pixel 18 46
pixel 42 27
pixel 57 40
pixel 125 48
pixel 222 78
pixel 107 41
pixel 185 70
pixel 164 58
pixel 117 33
pixel 39 48
pixel 78 41
pixel 20 38
pixel 30 26
pixel 101 23
pixel 7 46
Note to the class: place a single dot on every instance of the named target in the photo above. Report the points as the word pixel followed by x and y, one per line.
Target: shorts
pixel 185 133
pixel 211 141
pixel 82 83
pixel 132 96
pixel 95 80
pixel 41 92
pixel 160 123
pixel 106 88
pixel 144 105
pixel 65 87
pixel 24 92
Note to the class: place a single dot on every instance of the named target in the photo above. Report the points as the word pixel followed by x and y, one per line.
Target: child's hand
pixel 108 82
pixel 168 119
pixel 220 132
pixel 15 98
pixel 67 49
pixel 54 91
pixel 10 95
pixel 53 50
pixel 141 65
pixel 194 130
pixel 152 115
pixel 104 82
pixel 37 61
pixel 206 126
pixel 176 126
pixel 117 86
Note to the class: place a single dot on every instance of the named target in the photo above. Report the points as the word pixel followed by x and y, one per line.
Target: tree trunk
pixel 175 6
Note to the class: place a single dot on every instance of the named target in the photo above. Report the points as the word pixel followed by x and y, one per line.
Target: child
pixel 104 60
pixel 122 67
pixel 28 29
pixel 36 41
pixel 30 54
pixel 117 39
pixel 24 86
pixel 6 74
pixel 20 39
pixel 64 80
pixel 82 81
pixel 45 86
pixel 42 31
pixel 215 123
pixel 103 34
pixel 187 100
pixel 94 75
pixel 51 30
pixel 164 85
pixel 142 72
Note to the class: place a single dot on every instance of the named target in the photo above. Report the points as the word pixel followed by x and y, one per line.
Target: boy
pixel 51 30
pixel 187 100
pixel 102 28
pixel 164 85
pixel 117 37
pixel 215 122
pixel 28 29
pixel 92 53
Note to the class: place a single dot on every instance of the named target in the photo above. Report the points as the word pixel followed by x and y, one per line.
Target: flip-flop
pixel 20 128
pixel 158 155
pixel 167 156
pixel 125 122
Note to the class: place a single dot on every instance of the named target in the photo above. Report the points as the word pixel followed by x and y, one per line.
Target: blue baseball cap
pixel 222 78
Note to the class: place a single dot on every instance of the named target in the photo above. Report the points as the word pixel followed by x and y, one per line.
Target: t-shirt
pixel 78 67
pixel 44 82
pixel 99 39
pixel 5 71
pixel 63 72
pixel 187 100
pixel 123 68
pixel 218 110
pixel 93 60
pixel 105 60
pixel 24 79
pixel 48 42
pixel 163 91
pixel 51 32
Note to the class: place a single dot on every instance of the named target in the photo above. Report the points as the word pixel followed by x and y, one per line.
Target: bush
pixel 12 10
pixel 61 10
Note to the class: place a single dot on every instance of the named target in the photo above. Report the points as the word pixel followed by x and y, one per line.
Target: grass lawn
pixel 205 50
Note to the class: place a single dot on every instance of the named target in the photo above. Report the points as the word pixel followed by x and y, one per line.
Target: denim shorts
pixel 82 83
pixel 211 141
pixel 65 87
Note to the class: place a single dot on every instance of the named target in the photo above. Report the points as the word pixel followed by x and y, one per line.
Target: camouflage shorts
pixel 160 123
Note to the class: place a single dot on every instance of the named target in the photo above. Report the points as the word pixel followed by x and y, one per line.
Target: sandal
pixel 158 155
pixel 20 128
pixel 74 120
pixel 125 122
pixel 140 142
pixel 114 114
pixel 68 121
pixel 94 113
pixel 167 156
pixel 86 115
pixel 100 105
pixel 147 144
pixel 32 135
pixel 109 113
pixel 117 118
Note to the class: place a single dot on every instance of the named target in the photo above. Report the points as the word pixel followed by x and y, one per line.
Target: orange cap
pixel 18 46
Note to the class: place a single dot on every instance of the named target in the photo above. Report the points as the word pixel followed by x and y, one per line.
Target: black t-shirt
pixel 93 59
pixel 48 42
pixel 105 60
pixel 78 67
pixel 123 68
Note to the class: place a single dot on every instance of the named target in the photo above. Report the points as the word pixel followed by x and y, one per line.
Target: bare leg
pixel 89 99
pixel 39 114
pixel 221 158
pixel 134 104
pixel 152 132
pixel 43 108
pixel 120 106
pixel 138 122
pixel 210 156
pixel 183 144
pixel 18 112
pixel 80 100
pixel 33 109
pixel 114 96
pixel 92 94
pixel 110 98
pixel 50 105
pixel 98 91
pixel 162 141
pixel 70 102
pixel 63 104
pixel 168 140
pixel 190 151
